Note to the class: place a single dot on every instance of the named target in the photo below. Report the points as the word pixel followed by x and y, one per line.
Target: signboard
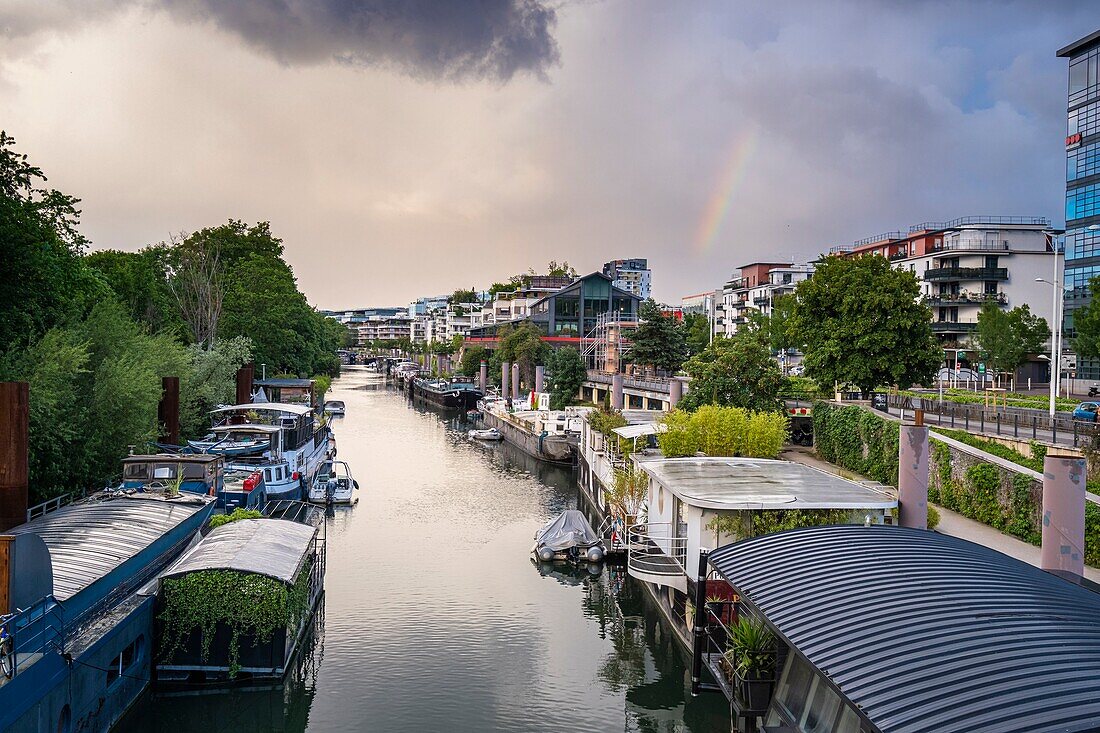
pixel 879 401
pixel 981 367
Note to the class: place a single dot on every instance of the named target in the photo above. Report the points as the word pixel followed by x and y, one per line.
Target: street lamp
pixel 1056 333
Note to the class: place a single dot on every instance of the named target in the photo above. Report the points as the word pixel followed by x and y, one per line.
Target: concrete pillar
pixel 515 381
pixel 245 376
pixel 617 391
pixel 505 380
pixel 14 453
pixel 1063 551
pixel 540 378
pixel 168 411
pixel 483 377
pixel 913 476
pixel 675 392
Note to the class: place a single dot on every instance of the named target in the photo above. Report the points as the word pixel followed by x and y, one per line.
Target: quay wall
pixel 517 436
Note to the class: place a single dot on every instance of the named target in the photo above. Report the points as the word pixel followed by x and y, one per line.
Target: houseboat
pixel 450 394
pixel 900 630
pixel 282 555
pixel 82 634
pixel 549 435
pixel 297 444
pixel 202 474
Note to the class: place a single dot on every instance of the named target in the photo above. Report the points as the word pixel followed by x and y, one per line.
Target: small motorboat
pixel 486 434
pixel 333 484
pixel 568 537
pixel 334 407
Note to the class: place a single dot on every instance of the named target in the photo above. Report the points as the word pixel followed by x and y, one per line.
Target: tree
pixel 140 282
pixel 737 372
pixel 563 270
pixel 198 284
pixel 507 287
pixel 696 332
pixel 472 356
pixel 521 345
pixel 659 340
pixel 1086 323
pixel 859 321
pixel 1007 337
pixel 566 373
pixel 465 296
pixel 779 323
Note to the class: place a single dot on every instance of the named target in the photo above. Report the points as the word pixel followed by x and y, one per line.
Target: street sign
pixel 981 367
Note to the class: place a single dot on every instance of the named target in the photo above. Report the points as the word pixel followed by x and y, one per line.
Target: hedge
pixel 858 440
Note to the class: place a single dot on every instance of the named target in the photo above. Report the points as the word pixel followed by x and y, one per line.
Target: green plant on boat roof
pixel 246 603
pixel 237 515
pixel 751 651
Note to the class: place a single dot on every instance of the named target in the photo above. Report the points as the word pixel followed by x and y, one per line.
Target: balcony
pixel 656 555
pixel 948 299
pixel 761 300
pixel 954 326
pixel 966 273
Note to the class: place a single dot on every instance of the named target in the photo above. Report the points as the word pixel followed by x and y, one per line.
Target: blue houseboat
pixel 81 651
pixel 203 474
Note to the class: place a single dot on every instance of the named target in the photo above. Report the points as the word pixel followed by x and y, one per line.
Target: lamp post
pixel 1058 299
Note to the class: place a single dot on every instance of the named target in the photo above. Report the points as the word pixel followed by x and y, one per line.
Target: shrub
pixel 933 517
pixel 678 439
pixel 238 514
pixel 723 431
pixel 858 440
pixel 765 435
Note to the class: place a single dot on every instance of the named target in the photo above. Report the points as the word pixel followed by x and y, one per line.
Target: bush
pixel 678 439
pixel 238 514
pixel 765 435
pixel 723 431
pixel 933 517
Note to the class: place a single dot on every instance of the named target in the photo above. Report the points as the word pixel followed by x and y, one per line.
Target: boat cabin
pixel 289 391
pixel 285 558
pixel 293 425
pixel 696 503
pixel 191 473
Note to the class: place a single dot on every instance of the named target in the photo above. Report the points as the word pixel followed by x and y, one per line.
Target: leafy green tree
pixel 46 282
pixel 859 321
pixel 140 282
pixel 1086 323
pixel 507 287
pixel 472 356
pixel 560 270
pixel 659 341
pixel 737 372
pixel 521 345
pixel 465 296
pixel 697 332
pixel 565 372
pixel 1007 337
pixel 779 323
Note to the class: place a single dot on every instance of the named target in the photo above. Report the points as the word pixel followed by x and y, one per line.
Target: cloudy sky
pixel 410 148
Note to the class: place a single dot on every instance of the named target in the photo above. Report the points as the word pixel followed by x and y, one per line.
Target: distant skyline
pixel 403 149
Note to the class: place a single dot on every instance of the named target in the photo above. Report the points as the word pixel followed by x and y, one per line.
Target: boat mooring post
pixel 515 380
pixel 483 377
pixel 617 391
pixel 505 376
pixel 14 456
pixel 540 378
pixel 168 411
pixel 1063 520
pixel 700 630
pixel 913 474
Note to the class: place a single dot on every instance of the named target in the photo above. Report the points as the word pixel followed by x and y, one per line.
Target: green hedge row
pixel 858 440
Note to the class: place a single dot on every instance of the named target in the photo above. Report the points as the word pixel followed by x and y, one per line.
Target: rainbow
pixel 718 205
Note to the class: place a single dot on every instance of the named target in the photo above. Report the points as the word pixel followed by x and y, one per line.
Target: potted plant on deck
pixel 751 656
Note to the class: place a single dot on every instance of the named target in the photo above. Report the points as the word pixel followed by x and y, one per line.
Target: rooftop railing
pixel 884 237
pixel 929 226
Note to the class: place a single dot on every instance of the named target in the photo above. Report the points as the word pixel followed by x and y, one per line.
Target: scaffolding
pixel 606 344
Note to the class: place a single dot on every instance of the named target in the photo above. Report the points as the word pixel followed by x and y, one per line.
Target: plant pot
pixel 755 694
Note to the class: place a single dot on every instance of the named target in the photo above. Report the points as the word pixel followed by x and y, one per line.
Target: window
pixel 123 663
pixel 566 307
pixel 1083 202
pixel 1085 120
pixel 164 472
pixel 990 287
pixel 1083 161
pixel 267 475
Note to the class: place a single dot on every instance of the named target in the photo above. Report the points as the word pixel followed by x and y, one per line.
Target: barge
pixel 549 435
pixel 449 394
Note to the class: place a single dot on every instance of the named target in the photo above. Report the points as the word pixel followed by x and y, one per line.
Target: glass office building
pixel 1082 182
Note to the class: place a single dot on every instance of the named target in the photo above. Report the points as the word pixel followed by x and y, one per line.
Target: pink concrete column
pixel 540 378
pixel 483 377
pixel 617 391
pixel 913 476
pixel 1063 551
pixel 515 381
pixel 675 392
pixel 505 377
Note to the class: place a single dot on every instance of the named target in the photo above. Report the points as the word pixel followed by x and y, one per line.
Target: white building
pixel 755 288
pixel 633 276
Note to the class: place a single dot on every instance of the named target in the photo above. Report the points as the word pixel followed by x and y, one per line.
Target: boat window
pixel 136 470
pixel 164 472
pixel 267 475
pixel 279 473
pixel 822 709
pixel 125 659
pixel 790 695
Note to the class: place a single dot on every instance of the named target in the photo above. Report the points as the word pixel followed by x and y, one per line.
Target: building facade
pixel 754 289
pixel 1082 240
pixel 633 276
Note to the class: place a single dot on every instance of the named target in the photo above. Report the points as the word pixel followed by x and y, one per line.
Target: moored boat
pixel 456 394
pixel 335 407
pixel 568 537
pixel 487 434
pixel 334 484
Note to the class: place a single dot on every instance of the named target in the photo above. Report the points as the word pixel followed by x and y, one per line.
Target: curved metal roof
pixel 272 406
pixel 271 547
pixel 89 539
pixel 926 632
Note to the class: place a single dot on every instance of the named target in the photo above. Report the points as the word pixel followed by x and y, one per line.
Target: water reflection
pixel 437 619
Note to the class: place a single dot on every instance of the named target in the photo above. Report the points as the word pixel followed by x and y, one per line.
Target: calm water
pixel 435 618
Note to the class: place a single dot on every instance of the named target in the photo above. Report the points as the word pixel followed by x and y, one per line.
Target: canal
pixel 435 617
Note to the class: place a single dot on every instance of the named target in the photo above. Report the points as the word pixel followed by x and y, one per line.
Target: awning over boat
pixel 272 547
pixel 925 632
pixel 637 431
pixel 272 406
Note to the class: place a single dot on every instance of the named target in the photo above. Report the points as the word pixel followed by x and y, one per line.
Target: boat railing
pixel 50 505
pixel 654 549
pixel 34 632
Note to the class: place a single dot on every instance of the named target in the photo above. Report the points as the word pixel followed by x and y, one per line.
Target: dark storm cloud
pixel 431 39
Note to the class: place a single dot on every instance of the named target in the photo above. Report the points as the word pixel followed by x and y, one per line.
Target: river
pixel 435 617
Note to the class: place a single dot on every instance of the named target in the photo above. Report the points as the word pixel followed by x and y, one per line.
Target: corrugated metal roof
pixel 89 539
pixel 271 547
pixel 926 632
pixel 283 382
pixel 759 483
pixel 272 406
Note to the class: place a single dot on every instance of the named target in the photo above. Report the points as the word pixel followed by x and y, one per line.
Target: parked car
pixel 1086 411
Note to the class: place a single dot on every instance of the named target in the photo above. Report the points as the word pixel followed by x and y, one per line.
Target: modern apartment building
pixel 383 328
pixel 754 288
pixel 1082 240
pixel 633 276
